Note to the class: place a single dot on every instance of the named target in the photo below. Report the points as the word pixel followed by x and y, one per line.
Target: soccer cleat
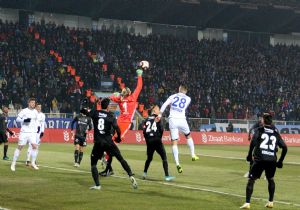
pixel 34 166
pixel 5 158
pixel 144 175
pixel 76 165
pixel 194 158
pixel 169 178
pixel 269 204
pixel 95 187
pixel 27 163
pixel 246 175
pixel 106 173
pixel 13 166
pixel 179 169
pixel 133 182
pixel 245 206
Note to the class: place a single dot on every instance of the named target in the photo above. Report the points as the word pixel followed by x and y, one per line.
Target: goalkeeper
pixel 127 102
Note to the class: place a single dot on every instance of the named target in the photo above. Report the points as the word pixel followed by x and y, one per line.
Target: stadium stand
pixel 232 80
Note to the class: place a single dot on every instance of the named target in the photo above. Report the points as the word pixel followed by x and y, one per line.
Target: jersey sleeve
pixel 283 146
pixel 115 98
pixel 167 103
pixel 138 88
pixel 20 117
pixel 43 123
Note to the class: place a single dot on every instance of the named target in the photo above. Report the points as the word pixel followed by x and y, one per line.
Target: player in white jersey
pixel 177 122
pixel 28 119
pixel 41 118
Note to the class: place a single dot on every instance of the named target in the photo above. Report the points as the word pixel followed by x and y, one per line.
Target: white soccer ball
pixel 144 64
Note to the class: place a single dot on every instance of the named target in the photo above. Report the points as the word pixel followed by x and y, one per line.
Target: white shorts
pixel 177 125
pixel 27 138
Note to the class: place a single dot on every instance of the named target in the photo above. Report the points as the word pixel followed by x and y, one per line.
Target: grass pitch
pixel 215 182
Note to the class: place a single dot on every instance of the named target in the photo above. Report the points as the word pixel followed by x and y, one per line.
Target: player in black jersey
pixel 104 121
pixel 262 151
pixel 3 129
pixel 83 123
pixel 153 131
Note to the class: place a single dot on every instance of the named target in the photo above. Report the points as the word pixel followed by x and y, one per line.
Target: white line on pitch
pixel 2 208
pixel 176 185
pixel 235 158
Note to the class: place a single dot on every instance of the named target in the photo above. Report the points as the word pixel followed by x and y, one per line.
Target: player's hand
pixel 73 132
pixel 117 94
pixel 42 134
pixel 27 120
pixel 139 72
pixel 157 119
pixel 249 138
pixel 118 139
pixel 279 164
pixel 249 158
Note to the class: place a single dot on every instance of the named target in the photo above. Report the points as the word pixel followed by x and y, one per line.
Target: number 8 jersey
pixel 178 104
pixel 265 142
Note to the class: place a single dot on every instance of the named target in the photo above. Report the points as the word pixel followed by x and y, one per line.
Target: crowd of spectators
pixel 26 70
pixel 231 80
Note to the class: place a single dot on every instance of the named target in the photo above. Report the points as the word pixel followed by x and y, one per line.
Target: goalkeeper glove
pixel 139 72
pixel 117 94
pixel 27 120
pixel 249 158
pixel 42 134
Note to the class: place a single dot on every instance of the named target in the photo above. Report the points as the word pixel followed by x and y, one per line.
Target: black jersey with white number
pixel 104 123
pixel 83 123
pixel 152 129
pixel 265 141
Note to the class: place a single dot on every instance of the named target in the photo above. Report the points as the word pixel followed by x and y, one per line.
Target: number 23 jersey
pixel 265 140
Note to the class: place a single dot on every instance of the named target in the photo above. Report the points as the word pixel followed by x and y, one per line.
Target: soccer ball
pixel 144 64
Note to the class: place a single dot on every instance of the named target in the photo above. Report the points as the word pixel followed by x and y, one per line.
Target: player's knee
pixel 251 181
pixel 149 159
pixel 188 136
pixel 271 180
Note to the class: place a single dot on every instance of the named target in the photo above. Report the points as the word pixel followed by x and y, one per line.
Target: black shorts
pixel 100 147
pixel 259 166
pixel 80 140
pixel 156 145
pixel 3 137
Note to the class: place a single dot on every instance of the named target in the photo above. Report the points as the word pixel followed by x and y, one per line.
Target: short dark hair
pixel 267 118
pixel 31 99
pixel 38 104
pixel 104 103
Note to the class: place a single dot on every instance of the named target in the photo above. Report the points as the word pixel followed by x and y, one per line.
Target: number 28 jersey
pixel 178 104
pixel 265 142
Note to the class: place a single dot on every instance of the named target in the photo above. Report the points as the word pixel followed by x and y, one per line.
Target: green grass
pixel 201 186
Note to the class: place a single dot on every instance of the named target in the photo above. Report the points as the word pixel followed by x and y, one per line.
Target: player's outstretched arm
pixel 164 106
